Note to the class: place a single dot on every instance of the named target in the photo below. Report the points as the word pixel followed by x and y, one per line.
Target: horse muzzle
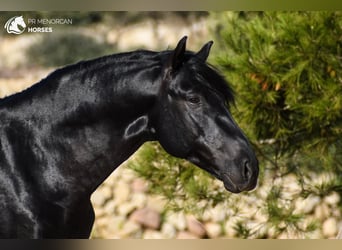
pixel 239 179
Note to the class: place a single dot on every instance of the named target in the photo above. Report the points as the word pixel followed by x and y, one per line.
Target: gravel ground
pixel 124 209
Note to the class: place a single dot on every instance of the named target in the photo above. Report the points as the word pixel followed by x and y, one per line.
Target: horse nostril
pixel 247 171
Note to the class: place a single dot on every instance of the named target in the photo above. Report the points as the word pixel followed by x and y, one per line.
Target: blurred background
pixel 285 68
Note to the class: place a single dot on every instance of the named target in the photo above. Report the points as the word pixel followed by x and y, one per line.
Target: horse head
pixel 193 120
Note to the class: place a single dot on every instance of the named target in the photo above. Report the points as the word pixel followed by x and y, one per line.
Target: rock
pixel 156 202
pixel 138 200
pixel 101 222
pixel 261 231
pixel 339 235
pixel 168 231
pixel 98 198
pixel 251 201
pixel 109 207
pixel 229 226
pixel 152 234
pixel 101 195
pixel 125 208
pixel 186 235
pixel 195 227
pixel 213 229
pixel 272 232
pixel 336 213
pixel 106 191
pixel 218 213
pixel 264 190
pixel 317 234
pixel 114 224
pixel 129 229
pixel 253 226
pixel 146 217
pixel 289 234
pixel 260 217
pixel 291 185
pixel 99 212
pixel 122 192
pixel 112 179
pixel 178 220
pixel 106 234
pixel 306 205
pixel 329 227
pixel 139 185
pixel 322 211
pixel 127 175
pixel 247 210
pixel 332 199
pixel 206 216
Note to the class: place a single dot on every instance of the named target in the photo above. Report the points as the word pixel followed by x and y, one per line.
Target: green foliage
pixel 285 68
pixel 176 180
pixel 280 215
pixel 242 231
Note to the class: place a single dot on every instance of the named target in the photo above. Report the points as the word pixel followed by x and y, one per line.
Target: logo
pixel 15 25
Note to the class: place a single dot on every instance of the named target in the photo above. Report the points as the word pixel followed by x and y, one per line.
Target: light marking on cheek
pixel 136 127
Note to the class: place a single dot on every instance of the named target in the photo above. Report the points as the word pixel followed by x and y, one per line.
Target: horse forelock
pixel 206 74
pixel 212 79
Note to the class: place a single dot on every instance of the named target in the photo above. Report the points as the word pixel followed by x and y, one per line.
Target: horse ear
pixel 177 55
pixel 203 53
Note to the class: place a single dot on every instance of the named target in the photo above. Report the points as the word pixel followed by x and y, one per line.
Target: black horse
pixel 62 137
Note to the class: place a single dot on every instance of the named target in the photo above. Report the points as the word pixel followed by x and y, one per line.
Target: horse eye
pixel 194 99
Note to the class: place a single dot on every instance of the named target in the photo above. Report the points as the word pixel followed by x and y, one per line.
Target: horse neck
pixel 105 86
pixel 116 96
pixel 121 86
pixel 95 113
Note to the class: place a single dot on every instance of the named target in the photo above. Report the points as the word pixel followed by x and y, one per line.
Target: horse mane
pixel 206 73
pixel 214 80
pixel 107 60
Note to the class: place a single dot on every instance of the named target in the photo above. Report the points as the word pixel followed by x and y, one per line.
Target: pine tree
pixel 285 68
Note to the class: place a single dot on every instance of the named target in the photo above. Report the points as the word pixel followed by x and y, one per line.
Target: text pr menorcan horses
pixel 62 137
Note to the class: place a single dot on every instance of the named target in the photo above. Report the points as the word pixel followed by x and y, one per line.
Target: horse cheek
pixel 170 138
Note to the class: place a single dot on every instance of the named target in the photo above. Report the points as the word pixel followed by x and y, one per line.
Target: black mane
pixel 214 80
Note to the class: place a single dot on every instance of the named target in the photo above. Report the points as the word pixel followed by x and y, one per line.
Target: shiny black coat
pixel 62 137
